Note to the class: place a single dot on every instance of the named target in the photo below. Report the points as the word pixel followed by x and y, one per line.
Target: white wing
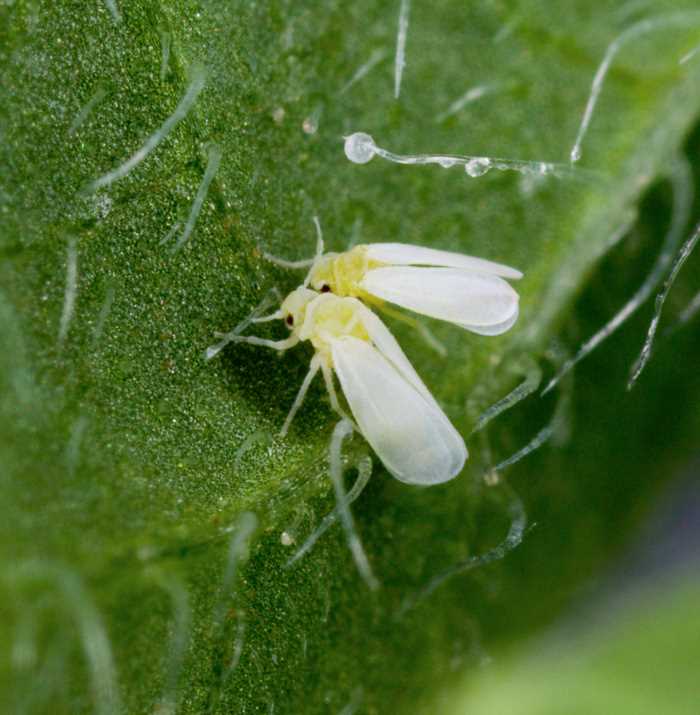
pixel 411 435
pixel 496 329
pixel 480 302
pixel 387 345
pixel 404 254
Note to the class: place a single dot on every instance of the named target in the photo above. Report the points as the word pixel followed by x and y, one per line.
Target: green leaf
pixel 629 664
pixel 130 462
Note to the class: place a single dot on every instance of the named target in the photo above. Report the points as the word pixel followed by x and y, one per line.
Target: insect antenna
pixel 319 251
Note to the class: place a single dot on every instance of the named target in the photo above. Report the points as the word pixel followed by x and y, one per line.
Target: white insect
pixel 464 290
pixel 393 409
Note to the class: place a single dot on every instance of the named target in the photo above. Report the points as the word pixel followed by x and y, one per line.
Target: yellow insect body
pixel 342 273
pixel 468 291
pixel 391 406
pixel 464 290
pixel 323 318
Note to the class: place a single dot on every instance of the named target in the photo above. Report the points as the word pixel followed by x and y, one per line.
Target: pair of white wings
pixel 470 292
pixel 394 410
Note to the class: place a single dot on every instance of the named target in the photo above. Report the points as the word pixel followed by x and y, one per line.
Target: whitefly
pixel 390 405
pixel 470 292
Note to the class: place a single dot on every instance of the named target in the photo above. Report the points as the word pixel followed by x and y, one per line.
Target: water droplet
pixel 286 539
pixel 477 167
pixel 528 185
pixel 445 162
pixel 359 148
pixel 103 205
pixel 310 125
pixel 576 153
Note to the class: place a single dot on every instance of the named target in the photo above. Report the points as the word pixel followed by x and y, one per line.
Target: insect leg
pixel 313 369
pixel 283 263
pixel 319 251
pixel 277 315
pixel 280 345
pixel 226 338
pixel 333 395
pixel 307 262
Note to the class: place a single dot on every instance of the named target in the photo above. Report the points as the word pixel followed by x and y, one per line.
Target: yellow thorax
pixel 321 318
pixel 342 273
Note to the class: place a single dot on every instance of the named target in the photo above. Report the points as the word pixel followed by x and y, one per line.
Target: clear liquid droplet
pixel 310 125
pixel 477 167
pixel 359 148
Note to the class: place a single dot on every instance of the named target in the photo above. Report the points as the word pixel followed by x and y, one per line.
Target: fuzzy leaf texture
pixel 149 505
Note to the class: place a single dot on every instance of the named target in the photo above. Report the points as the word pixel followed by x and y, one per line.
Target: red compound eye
pixel 325 288
pixel 289 320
